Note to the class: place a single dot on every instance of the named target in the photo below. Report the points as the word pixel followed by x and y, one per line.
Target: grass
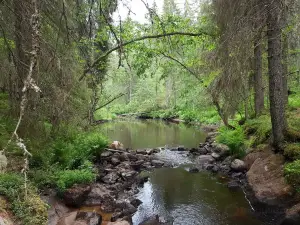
pixel 292 174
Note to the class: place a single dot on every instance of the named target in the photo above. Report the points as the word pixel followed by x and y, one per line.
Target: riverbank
pixel 113 196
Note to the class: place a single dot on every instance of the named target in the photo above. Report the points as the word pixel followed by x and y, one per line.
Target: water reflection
pixel 188 199
pixel 152 133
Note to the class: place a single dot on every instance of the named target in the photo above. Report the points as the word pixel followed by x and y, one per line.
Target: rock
pixel 115 161
pixel 106 154
pixel 215 169
pixel 181 148
pixel 193 170
pixel 221 149
pixel 208 166
pixel 100 195
pixel 233 185
pixel 266 178
pixel 227 161
pixel 119 223
pixel 76 195
pixel 157 163
pixel 237 175
pixel 238 165
pixel 205 159
pixel 89 218
pixel 250 158
pixel 141 151
pixel 132 157
pixel 292 216
pixel 149 151
pixel 127 208
pixel 116 145
pixel 193 150
pixel 137 165
pixel 110 178
pixel 216 155
pixel 128 174
pixel 151 221
pixel 124 157
pixel 202 151
pixel 136 202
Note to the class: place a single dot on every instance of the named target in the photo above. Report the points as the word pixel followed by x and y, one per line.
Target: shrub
pixel 234 139
pixel 292 151
pixel 292 174
pixel 31 210
pixel 67 178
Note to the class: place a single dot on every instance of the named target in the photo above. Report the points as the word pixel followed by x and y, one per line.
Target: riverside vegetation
pixel 69 65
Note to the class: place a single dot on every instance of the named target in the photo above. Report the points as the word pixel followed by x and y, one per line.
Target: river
pixel 174 193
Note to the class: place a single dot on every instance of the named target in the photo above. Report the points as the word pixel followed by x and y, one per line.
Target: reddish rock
pixel 76 195
pixel 267 179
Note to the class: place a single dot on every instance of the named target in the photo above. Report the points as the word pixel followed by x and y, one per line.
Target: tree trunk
pixel 277 103
pixel 285 46
pixel 258 81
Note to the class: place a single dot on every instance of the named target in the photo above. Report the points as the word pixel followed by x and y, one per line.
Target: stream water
pixel 174 193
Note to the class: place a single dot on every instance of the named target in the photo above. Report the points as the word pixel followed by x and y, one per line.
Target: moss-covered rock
pixel 292 151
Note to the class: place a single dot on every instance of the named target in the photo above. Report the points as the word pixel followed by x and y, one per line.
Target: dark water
pixel 174 193
pixel 187 199
pixel 152 133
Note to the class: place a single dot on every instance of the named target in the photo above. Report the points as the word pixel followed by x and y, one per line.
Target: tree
pixel 276 89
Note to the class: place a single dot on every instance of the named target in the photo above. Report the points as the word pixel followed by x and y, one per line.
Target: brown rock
pixel 267 180
pixel 119 223
pixel 250 158
pixel 76 195
pixel 292 216
pixel 99 195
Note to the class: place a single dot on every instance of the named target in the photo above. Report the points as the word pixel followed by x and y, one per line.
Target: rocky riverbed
pixel 111 199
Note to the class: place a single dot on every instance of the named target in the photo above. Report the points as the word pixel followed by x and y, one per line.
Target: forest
pixel 68 66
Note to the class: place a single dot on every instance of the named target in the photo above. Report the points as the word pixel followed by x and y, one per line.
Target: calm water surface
pixel 152 133
pixel 174 193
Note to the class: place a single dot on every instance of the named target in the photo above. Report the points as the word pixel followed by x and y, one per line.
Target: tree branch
pixel 100 58
pixel 181 64
pixel 110 101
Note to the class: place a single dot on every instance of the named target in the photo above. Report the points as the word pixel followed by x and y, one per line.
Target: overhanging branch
pixel 100 58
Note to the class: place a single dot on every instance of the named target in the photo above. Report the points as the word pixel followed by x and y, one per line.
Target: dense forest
pixel 67 66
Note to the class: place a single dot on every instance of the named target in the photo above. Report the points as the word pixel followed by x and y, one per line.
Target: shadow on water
pixel 152 133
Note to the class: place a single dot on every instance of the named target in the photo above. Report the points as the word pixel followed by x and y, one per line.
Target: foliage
pixel 67 178
pixel 31 210
pixel 260 128
pixel 292 174
pixel 292 151
pixel 235 139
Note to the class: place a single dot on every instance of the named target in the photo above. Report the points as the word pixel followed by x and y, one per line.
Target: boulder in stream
pixel 238 165
pixel 157 163
pixel 76 195
pixel 205 159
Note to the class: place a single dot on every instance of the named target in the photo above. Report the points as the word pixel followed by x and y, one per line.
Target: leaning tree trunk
pixel 277 103
pixel 258 80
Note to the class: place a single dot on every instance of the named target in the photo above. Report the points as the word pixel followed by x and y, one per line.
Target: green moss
pixel 31 210
pixel 292 174
pixel 292 151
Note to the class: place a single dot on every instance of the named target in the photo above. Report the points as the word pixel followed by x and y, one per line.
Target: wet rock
pixel 181 148
pixel 202 151
pixel 238 165
pixel 221 149
pixel 140 180
pixel 119 223
pixel 154 220
pixel 205 159
pixel 88 218
pixel 106 154
pixel 149 151
pixel 136 202
pixel 111 178
pixel 193 170
pixel 193 150
pixel 157 163
pixel 132 157
pixel 124 157
pixel 208 166
pixel 216 156
pixel 100 195
pixel 115 161
pixel 128 175
pixel 141 151
pixel 215 169
pixel 137 165
pixel 266 178
pixel 76 195
pixel 127 208
pixel 237 175
pixel 233 185
pixel 292 216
